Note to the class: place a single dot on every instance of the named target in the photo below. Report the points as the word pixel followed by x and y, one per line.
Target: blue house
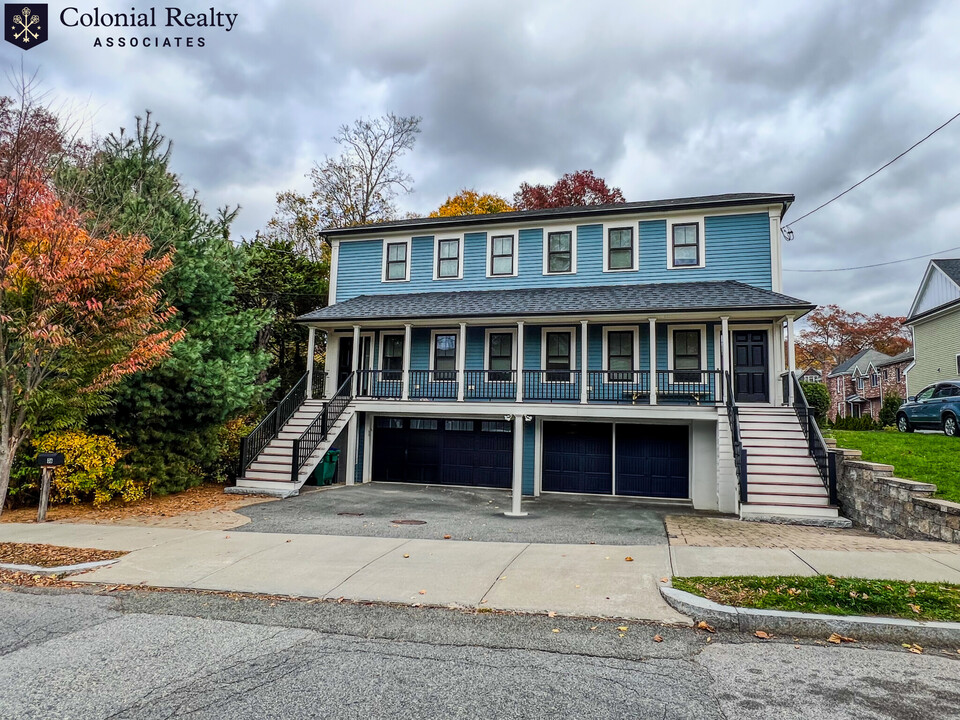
pixel 641 349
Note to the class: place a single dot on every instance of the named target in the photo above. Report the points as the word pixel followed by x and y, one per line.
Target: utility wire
pixel 862 267
pixel 881 168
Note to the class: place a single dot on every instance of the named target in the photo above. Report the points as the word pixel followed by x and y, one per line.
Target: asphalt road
pixel 463 513
pixel 164 655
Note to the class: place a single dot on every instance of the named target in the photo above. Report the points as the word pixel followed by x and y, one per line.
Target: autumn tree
pixel 573 189
pixel 470 202
pixel 833 335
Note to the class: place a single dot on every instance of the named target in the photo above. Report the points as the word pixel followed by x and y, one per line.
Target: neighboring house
pixel 811 375
pixel 934 318
pixel 858 385
pixel 577 350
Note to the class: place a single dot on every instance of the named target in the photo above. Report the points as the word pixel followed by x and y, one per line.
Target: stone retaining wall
pixel 872 497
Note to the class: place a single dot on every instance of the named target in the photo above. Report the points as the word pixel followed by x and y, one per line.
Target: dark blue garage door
pixel 653 461
pixel 577 457
pixel 434 451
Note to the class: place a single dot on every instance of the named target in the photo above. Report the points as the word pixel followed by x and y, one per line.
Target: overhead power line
pixel 863 267
pixel 786 227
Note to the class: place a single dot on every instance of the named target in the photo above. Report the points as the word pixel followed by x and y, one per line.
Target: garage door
pixel 577 457
pixel 476 453
pixel 653 461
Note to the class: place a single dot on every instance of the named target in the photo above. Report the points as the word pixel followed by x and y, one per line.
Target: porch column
pixel 461 361
pixel 725 366
pixel 791 357
pixel 584 376
pixel 517 495
pixel 355 360
pixel 653 361
pixel 330 364
pixel 311 338
pixel 405 394
pixel 519 364
pixel 351 470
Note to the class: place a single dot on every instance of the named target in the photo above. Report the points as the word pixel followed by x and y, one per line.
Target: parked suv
pixel 936 407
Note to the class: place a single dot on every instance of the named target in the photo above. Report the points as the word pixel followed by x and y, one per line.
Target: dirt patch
pixel 52 555
pixel 201 508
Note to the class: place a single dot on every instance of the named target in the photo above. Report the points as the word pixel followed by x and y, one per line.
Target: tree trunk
pixel 6 465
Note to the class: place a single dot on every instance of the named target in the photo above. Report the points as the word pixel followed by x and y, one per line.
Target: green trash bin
pixel 328 467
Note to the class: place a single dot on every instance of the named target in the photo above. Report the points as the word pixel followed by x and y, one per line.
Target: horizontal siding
pixel 937 344
pixel 737 248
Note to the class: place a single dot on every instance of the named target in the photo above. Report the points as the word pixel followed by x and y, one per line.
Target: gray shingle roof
pixel 650 206
pixel 861 360
pixel 660 297
pixel 950 266
pixel 902 357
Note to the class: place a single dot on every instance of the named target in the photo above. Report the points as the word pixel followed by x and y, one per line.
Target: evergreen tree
pixel 171 415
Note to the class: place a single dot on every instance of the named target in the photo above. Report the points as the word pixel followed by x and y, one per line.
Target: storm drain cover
pixel 409 522
pixel 350 514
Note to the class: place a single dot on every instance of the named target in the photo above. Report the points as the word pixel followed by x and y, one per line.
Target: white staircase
pixel 783 481
pixel 270 473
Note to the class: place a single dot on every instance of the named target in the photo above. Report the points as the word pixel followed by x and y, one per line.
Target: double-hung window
pixel 500 356
pixel 560 252
pixel 448 258
pixel 445 356
pixel 874 380
pixel 558 356
pixel 396 261
pixel 686 245
pixel 621 252
pixel 686 356
pixel 392 362
pixel 501 255
pixel 620 360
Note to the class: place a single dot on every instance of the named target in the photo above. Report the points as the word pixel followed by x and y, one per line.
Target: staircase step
pixel 777 452
pixel 773 470
pixel 791 498
pixel 754 441
pixel 766 510
pixel 279 475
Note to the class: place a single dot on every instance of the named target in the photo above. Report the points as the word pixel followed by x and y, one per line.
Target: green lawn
pixel 831 596
pixel 925 458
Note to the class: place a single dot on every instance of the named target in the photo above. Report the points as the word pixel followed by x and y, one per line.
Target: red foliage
pixel 573 189
pixel 833 335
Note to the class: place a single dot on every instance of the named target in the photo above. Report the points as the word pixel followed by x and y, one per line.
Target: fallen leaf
pixel 551 614
pixel 446 537
pixel 916 649
pixel 912 591
pixel 406 555
pixel 704 626
pixel 709 638
pixel 628 559
pixel 289 541
pixel 915 608
pixel 423 592
pixel 658 638
pixel 837 638
pixel 576 586
pixel 763 635
pixel 595 627
pixel 556 630
pixel 664 580
pixel 622 635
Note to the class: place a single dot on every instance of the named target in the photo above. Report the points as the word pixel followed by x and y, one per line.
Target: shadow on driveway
pixel 462 513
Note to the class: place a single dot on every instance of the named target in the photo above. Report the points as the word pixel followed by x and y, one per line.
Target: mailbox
pixel 50 459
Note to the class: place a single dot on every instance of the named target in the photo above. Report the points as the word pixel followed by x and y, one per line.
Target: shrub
pixel 818 398
pixel 90 471
pixel 888 411
pixel 864 422
pixel 231 432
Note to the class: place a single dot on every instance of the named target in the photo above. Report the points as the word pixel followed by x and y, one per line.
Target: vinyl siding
pixel 737 247
pixel 936 345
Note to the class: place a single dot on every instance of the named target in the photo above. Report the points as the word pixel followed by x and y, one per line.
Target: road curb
pixel 784 622
pixel 59 570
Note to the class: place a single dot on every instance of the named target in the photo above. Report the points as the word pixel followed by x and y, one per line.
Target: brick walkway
pixel 699 531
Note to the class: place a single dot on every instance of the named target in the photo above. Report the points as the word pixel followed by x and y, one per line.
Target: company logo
pixel 26 25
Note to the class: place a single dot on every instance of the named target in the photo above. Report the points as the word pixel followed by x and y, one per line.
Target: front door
pixel 750 379
pixel 345 360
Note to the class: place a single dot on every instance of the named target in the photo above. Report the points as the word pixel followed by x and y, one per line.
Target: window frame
pixel 515 234
pixel 605 351
pixel 386 252
pixel 634 247
pixel 513 350
pixel 547 231
pixel 700 222
pixel 438 240
pixel 958 364
pixel 382 354
pixel 569 372
pixel 704 360
pixel 434 334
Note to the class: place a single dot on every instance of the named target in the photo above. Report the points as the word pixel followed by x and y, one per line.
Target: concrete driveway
pixel 463 513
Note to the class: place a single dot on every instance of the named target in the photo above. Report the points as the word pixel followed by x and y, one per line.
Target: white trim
pixel 433 346
pixel 366 474
pixel 573 249
pixel 607 227
pixel 385 334
pixel 513 349
pixel 538 456
pixel 771 360
pixel 703 344
pixel 572 332
pixel 604 345
pixel 334 265
pixel 488 259
pixel 383 264
pixel 436 255
pixel 776 249
pixel 697 220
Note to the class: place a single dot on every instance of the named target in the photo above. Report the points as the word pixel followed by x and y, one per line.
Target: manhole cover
pixel 349 514
pixel 409 522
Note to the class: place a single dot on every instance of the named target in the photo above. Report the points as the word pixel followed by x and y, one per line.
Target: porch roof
pixel 726 295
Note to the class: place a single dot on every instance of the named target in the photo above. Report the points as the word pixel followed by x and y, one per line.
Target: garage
pixel 577 457
pixel 653 461
pixel 434 451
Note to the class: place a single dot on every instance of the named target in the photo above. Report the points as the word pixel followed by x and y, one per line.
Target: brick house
pixel 858 385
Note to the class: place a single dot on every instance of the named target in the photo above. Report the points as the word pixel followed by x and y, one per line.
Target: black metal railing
pixel 785 388
pixel 490 385
pixel 551 385
pixel 815 442
pixel 739 451
pixel 433 384
pixel 379 383
pixel 700 387
pixel 268 428
pixel 316 433
pixel 319 384
pixel 632 386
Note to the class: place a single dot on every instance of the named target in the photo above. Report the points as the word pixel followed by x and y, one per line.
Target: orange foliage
pixel 470 202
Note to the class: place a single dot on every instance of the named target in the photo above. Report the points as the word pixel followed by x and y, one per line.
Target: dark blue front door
pixel 653 461
pixel 578 457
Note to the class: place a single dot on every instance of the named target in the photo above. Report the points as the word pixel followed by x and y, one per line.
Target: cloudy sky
pixel 663 99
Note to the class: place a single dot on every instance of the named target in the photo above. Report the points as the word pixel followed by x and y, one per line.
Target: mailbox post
pixel 47 462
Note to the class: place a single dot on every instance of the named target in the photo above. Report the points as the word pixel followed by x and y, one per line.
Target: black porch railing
pixel 551 385
pixel 268 428
pixel 815 442
pixel 319 384
pixel 379 383
pixel 433 384
pixel 699 387
pixel 632 386
pixel 739 451
pixel 311 438
pixel 490 385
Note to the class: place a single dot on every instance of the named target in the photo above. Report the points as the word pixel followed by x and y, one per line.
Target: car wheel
pixel 903 425
pixel 950 428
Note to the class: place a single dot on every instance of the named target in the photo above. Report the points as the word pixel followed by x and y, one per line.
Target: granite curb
pixel 784 622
